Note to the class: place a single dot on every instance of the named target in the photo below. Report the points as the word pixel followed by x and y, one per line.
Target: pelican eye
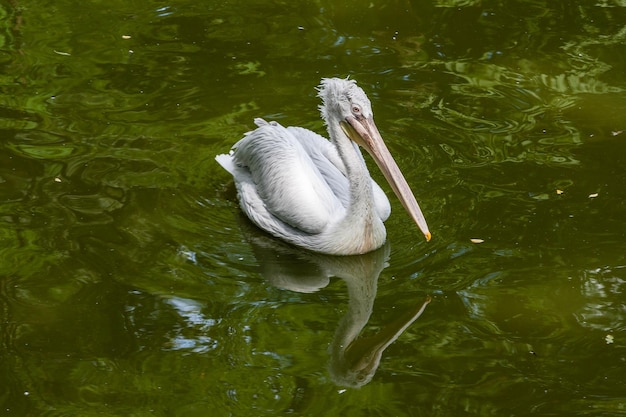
pixel 356 110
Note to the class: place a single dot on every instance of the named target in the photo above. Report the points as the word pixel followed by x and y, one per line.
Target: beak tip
pixel 428 236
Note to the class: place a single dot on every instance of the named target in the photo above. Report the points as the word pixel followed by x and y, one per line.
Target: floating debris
pixel 476 240
pixel 559 192
pixel 609 339
pixel 594 195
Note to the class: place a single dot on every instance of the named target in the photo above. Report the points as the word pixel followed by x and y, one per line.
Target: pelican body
pixel 315 193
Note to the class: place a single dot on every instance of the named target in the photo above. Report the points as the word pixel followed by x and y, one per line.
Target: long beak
pixel 364 132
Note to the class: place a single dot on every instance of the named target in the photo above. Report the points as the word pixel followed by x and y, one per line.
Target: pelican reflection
pixel 354 359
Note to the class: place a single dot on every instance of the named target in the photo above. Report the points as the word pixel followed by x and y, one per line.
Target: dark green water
pixel 131 286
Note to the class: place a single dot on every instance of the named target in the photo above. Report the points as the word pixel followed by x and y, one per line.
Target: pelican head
pixel 346 105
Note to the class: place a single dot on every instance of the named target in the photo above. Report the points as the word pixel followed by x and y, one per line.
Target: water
pixel 131 285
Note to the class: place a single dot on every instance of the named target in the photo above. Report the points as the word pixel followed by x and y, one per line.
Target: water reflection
pixel 354 359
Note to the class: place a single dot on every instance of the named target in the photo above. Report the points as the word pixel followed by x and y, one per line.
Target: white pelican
pixel 315 193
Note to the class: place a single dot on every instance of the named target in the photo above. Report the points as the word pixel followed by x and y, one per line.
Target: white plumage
pixel 316 193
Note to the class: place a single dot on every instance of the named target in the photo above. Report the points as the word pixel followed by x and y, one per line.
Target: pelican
pixel 315 193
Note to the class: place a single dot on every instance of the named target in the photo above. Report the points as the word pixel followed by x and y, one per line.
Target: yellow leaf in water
pixel 475 240
pixel 559 192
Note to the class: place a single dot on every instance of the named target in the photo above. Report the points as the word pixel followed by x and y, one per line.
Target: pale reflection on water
pixel 353 359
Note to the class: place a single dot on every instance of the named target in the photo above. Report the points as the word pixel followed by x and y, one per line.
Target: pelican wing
pixel 280 182
pixel 325 157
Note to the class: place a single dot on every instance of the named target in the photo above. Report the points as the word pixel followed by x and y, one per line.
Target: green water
pixel 130 285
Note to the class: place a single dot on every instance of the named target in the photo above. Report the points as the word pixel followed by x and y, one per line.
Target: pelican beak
pixel 364 132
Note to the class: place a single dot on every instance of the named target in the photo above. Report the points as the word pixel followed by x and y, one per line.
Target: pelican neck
pixel 361 194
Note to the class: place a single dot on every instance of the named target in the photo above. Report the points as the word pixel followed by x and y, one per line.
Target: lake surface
pixel 131 285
